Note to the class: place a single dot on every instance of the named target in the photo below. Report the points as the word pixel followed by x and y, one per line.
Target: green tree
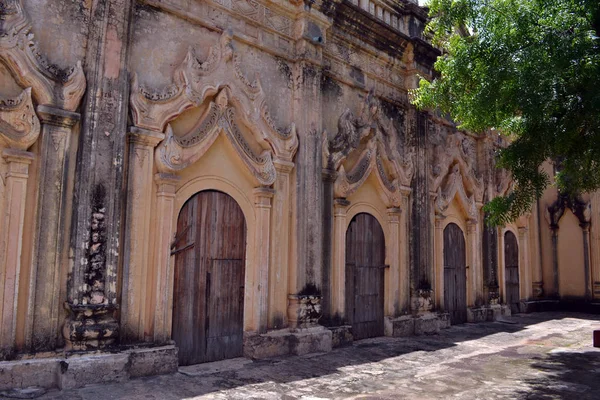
pixel 529 69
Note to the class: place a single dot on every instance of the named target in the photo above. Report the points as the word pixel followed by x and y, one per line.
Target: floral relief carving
pixel 375 138
pixel 19 125
pixel 51 85
pixel 238 101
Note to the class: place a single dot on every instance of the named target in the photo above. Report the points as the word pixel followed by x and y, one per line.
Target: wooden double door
pixel 365 271
pixel 455 274
pixel 208 304
pixel 511 271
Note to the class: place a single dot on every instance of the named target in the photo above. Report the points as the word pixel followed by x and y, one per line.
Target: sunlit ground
pixel 544 355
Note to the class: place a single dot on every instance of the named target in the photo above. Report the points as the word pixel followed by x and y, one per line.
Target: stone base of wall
pixel 409 325
pixel 77 370
pixel 564 304
pixel 316 339
pixel 341 336
pixel 488 313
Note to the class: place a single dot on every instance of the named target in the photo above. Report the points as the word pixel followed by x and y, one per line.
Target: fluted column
pixel 262 232
pixel 44 300
pixel 392 294
pixel 136 250
pixel 165 211
pixel 11 241
pixel 338 276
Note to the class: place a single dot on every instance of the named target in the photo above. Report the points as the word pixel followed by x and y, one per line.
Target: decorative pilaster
pixel 307 72
pixel 472 263
pixel 165 210
pixel 15 188
pixel 536 248
pixel 280 226
pixel 262 204
pixel 585 230
pixel 501 267
pixel 136 251
pixel 44 300
pixel 338 275
pixel 524 263
pixel 595 244
pixel 404 257
pixel 439 261
pixel 392 298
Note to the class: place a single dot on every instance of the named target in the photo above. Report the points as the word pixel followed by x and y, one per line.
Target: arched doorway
pixel 208 303
pixel 455 274
pixel 511 271
pixel 365 270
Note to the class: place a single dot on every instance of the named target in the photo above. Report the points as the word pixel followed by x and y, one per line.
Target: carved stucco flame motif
pixel 51 85
pixel 19 125
pixel 379 153
pixel 237 103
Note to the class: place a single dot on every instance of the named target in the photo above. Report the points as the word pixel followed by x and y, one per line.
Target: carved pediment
pixel 195 82
pixel 581 209
pixel 374 139
pixel 450 149
pixel 19 125
pixel 51 85
pixel 177 153
pixel 452 188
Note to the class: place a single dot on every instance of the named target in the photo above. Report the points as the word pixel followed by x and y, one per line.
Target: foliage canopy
pixel 529 69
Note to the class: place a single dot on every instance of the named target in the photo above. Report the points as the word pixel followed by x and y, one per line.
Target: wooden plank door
pixel 365 271
pixel 455 274
pixel 511 271
pixel 210 253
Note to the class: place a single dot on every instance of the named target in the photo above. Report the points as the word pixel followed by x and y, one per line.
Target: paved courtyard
pixel 540 356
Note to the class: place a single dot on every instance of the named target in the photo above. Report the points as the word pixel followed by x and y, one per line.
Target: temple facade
pixel 184 181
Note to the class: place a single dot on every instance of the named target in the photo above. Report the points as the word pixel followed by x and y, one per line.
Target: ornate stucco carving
pixel 51 85
pixel 239 101
pixel 454 152
pixel 19 125
pixel 454 187
pixel 175 154
pixel 581 209
pixel 375 139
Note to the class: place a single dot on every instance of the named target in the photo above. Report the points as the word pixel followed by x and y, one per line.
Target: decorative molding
pixel 19 125
pixel 581 209
pixel 454 187
pixel 452 150
pixel 175 154
pixel 234 101
pixel 378 153
pixel 51 84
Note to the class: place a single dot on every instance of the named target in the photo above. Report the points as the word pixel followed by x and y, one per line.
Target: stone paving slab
pixel 542 356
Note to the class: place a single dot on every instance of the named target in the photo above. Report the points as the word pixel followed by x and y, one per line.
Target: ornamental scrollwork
pixel 221 77
pixel 51 85
pixel 19 125
pixel 375 138
pixel 174 154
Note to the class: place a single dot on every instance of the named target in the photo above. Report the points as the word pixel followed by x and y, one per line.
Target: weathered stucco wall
pixel 299 112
